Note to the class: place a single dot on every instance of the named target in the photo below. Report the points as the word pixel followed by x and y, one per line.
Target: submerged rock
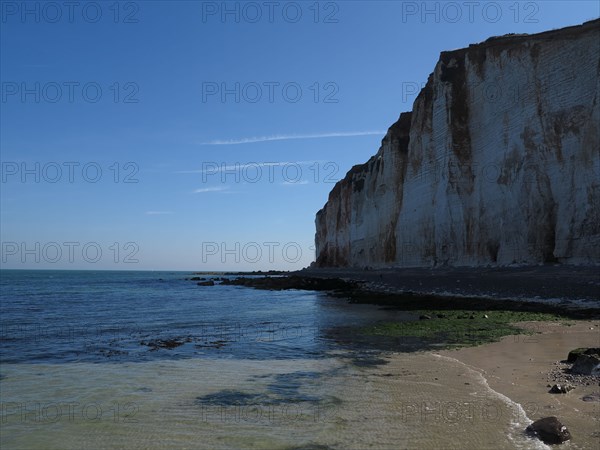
pixel 168 344
pixel 549 430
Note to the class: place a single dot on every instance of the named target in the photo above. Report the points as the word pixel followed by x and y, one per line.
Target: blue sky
pixel 196 136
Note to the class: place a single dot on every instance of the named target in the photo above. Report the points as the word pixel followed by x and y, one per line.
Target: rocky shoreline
pixel 580 369
pixel 572 290
pixel 563 285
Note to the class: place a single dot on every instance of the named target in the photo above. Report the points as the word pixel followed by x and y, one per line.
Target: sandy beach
pixel 519 367
pixel 523 367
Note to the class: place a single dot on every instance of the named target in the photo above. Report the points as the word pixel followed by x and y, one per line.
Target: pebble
pixel 594 397
pixel 558 376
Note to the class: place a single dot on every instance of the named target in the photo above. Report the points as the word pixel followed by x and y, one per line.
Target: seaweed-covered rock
pixel 293 282
pixel 574 354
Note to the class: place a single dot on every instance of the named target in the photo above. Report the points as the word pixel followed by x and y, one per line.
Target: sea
pixel 151 360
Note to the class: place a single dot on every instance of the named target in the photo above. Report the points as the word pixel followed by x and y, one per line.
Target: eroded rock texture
pixel 498 163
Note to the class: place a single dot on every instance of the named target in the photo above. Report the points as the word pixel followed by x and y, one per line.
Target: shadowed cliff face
pixel 498 163
pixel 360 219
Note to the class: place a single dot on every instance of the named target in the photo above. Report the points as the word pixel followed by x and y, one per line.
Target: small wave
pixel 520 419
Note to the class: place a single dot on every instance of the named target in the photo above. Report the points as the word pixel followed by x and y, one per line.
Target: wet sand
pixel 519 368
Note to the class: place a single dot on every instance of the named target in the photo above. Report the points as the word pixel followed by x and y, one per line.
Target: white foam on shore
pixel 521 421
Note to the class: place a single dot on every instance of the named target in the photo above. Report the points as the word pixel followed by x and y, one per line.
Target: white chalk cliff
pixel 498 163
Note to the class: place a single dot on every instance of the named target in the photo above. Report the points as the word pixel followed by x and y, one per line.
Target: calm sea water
pixel 151 360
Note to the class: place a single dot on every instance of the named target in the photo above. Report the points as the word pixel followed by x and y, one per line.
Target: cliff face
pixel 498 163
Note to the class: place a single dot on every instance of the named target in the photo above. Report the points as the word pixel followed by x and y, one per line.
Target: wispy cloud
pixel 158 213
pixel 287 137
pixel 213 167
pixel 295 183
pixel 211 189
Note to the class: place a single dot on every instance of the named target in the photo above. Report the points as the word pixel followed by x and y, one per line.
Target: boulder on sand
pixel 561 389
pixel 586 365
pixel 549 430
pixel 574 354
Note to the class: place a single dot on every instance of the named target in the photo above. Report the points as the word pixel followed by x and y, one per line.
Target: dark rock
pixel 424 317
pixel 206 283
pixel 197 279
pixel 561 389
pixel 586 365
pixel 293 282
pixel 574 354
pixel 549 430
